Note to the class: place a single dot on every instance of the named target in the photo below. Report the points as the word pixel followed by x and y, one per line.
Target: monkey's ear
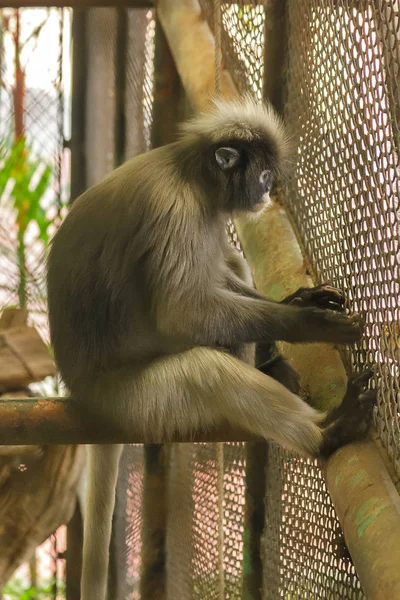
pixel 227 158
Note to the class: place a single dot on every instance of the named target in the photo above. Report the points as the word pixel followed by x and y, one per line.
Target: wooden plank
pixel 13 317
pixel 24 357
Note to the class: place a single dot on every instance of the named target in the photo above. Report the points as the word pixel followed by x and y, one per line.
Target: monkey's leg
pixel 103 463
pixel 204 387
pixel 199 389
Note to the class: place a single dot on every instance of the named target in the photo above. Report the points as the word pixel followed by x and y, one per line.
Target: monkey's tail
pixel 103 461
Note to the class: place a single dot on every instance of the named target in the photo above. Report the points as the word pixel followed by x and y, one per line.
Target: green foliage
pixel 17 590
pixel 17 173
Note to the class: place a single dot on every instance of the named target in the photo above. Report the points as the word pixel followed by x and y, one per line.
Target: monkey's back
pixel 98 293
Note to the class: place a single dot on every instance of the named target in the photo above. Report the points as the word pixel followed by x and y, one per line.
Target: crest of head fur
pixel 242 119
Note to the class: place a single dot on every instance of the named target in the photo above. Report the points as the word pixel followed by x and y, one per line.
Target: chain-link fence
pixel 34 120
pixel 344 195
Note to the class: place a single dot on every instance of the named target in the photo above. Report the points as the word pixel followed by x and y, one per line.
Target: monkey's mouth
pixel 266 200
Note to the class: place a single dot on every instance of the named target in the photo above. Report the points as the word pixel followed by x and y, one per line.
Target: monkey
pixel 152 320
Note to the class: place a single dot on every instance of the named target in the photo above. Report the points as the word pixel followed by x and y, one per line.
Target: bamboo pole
pixel 368 506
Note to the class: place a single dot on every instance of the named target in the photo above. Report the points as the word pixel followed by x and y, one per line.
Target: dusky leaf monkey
pixel 150 313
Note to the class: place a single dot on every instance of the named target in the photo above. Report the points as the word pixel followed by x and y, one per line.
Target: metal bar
pixel 275 53
pixel 78 123
pixel 120 86
pixel 51 421
pixel 256 490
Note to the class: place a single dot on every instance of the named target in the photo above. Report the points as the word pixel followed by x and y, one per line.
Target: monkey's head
pixel 241 148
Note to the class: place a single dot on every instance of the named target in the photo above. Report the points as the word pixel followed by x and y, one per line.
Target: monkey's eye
pixel 266 180
pixel 227 158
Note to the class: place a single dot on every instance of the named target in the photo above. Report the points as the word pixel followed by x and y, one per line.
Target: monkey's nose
pixel 266 180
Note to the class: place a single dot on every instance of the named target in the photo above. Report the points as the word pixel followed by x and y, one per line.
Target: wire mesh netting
pixel 34 111
pixel 343 110
pixel 242 41
pixel 34 187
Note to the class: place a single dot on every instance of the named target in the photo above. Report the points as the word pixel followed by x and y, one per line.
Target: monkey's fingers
pixel 322 296
pixel 358 382
pixel 327 296
pixel 356 387
pixel 350 328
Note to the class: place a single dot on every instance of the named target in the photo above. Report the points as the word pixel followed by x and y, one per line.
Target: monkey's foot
pixel 351 420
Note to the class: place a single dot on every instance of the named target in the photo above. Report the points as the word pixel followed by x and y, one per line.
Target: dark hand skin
pixel 269 361
pixel 349 421
pixel 321 296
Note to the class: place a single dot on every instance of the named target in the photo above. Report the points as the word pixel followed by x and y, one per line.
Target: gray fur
pixel 145 297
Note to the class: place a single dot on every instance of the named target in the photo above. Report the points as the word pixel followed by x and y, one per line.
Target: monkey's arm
pixel 225 318
pixel 239 280
pixel 322 296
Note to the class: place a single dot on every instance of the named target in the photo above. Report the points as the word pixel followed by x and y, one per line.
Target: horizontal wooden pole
pixel 51 421
pixel 76 3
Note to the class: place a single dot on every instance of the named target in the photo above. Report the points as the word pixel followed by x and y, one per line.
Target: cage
pixel 237 519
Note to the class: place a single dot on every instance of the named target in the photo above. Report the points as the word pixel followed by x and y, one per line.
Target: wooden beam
pixel 48 421
pixel 76 3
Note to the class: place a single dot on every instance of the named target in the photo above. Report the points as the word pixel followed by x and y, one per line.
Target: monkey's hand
pixel 351 420
pixel 321 296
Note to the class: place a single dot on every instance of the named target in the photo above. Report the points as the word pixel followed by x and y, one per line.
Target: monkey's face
pixel 248 174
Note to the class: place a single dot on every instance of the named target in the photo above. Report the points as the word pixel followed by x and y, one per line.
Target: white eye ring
pixel 266 179
pixel 227 158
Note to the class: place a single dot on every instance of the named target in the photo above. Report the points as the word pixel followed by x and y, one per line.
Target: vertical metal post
pixel 78 185
pixel 120 84
pixel 78 123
